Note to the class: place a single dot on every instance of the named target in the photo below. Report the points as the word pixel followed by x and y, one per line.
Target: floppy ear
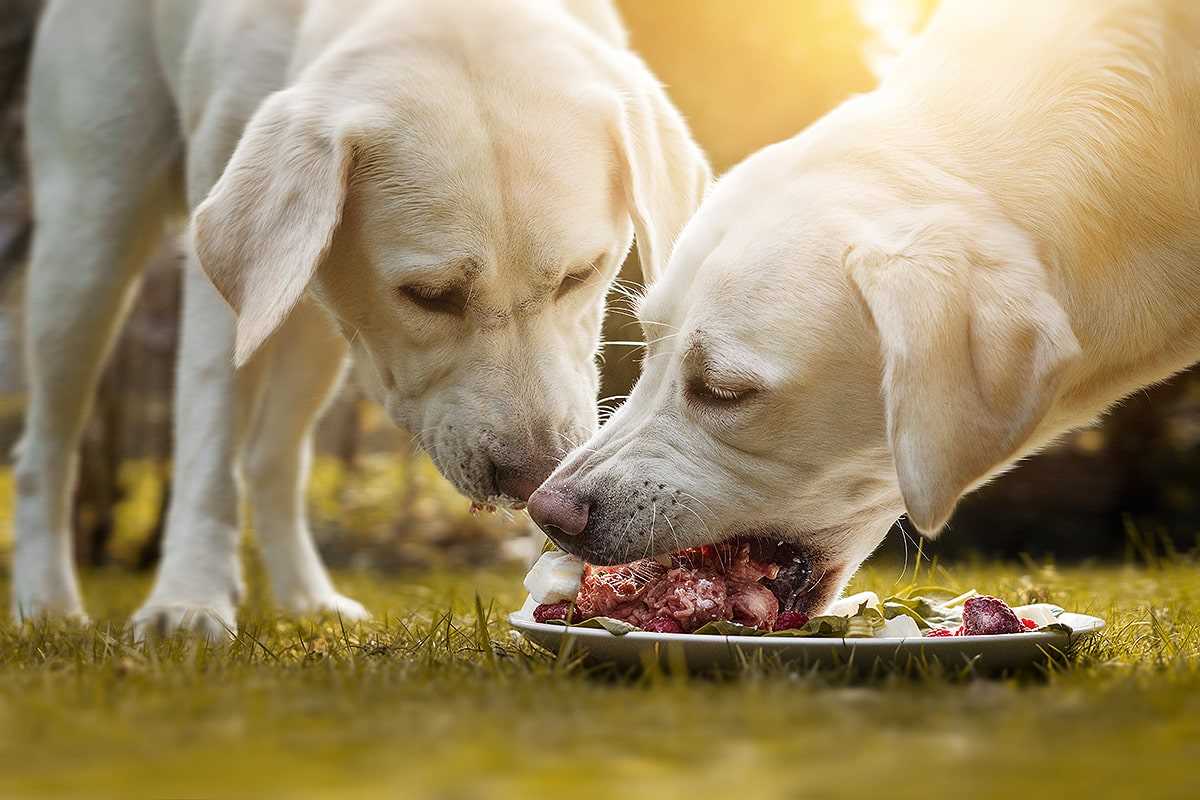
pixel 267 224
pixel 974 348
pixel 664 172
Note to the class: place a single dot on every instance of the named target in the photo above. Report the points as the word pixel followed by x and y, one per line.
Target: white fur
pixel 932 282
pixel 335 155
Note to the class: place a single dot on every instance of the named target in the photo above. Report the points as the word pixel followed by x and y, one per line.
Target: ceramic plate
pixel 1004 651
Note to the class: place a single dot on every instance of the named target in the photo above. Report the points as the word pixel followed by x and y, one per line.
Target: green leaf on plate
pixel 614 626
pixel 722 627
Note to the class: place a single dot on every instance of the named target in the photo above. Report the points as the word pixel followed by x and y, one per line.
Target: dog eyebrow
pixel 456 273
pixel 703 360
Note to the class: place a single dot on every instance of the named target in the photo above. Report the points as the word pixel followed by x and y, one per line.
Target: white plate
pixel 1002 651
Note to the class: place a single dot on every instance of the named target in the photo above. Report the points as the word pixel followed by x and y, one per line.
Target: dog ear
pixel 266 226
pixel 664 173
pixel 974 348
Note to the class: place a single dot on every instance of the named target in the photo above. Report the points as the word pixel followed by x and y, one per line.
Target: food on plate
pixel 790 620
pixel 984 616
pixel 554 578
pixel 742 587
pixel 988 616
pixel 739 581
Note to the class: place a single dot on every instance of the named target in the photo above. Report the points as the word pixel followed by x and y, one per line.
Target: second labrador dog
pixel 453 185
pixel 934 281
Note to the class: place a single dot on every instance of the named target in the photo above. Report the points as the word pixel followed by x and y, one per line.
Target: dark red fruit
pixel 936 632
pixel 1029 624
pixel 790 620
pixel 547 612
pixel 988 616
pixel 663 625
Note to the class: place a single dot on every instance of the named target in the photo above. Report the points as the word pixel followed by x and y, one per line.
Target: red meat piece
pixel 663 625
pixel 988 616
pixel 551 611
pixel 753 604
pixel 790 620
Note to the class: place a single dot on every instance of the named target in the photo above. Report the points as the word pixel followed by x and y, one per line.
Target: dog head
pixel 459 197
pixel 829 349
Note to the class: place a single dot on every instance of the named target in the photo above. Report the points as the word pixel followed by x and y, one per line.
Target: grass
pixel 431 700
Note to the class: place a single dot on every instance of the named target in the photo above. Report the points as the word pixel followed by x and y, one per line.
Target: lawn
pixel 416 704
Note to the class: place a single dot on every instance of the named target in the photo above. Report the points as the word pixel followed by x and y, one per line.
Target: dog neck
pixel 1087 145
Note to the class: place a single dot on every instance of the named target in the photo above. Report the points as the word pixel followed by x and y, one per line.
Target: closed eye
pixel 572 282
pixel 703 391
pixel 439 300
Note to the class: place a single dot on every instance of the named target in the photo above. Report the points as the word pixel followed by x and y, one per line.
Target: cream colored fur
pixel 451 186
pixel 932 282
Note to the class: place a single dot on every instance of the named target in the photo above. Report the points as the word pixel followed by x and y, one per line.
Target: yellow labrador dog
pixel 934 281
pixel 451 186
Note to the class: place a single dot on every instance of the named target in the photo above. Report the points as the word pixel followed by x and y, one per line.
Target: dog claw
pixel 157 620
pixel 338 605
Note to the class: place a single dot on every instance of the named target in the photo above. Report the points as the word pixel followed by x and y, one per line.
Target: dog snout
pixel 520 463
pixel 519 481
pixel 559 512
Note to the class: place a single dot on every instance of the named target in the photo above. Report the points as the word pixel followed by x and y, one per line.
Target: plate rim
pixel 1088 625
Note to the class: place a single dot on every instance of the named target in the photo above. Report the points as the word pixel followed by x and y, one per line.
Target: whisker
pixel 697 500
pixel 700 519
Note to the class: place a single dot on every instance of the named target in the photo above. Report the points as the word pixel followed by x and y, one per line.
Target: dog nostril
pixel 556 511
pixel 515 483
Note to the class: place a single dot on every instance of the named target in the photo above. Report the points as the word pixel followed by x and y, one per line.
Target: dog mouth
pixel 766 559
pixel 796 577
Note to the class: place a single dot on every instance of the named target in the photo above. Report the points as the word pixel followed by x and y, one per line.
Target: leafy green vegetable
pixel 614 626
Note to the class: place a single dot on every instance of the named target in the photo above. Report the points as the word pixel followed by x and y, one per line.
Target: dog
pixel 444 189
pixel 930 283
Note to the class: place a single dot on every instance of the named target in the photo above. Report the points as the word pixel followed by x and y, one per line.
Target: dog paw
pixel 32 607
pixel 332 604
pixel 44 584
pixel 50 600
pixel 217 622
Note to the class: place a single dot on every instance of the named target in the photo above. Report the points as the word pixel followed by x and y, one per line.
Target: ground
pixel 426 702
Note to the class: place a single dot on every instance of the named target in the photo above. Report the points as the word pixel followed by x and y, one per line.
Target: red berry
pixel 1029 624
pixel 551 611
pixel 790 620
pixel 936 632
pixel 663 625
pixel 988 616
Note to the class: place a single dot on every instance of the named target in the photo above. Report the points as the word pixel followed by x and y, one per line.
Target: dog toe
pixel 157 620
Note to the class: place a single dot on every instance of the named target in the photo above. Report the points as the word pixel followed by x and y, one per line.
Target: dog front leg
pixel 199 582
pixel 304 363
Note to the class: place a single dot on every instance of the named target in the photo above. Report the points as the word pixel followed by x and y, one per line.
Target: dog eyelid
pixel 708 390
pixel 573 280
pixel 450 300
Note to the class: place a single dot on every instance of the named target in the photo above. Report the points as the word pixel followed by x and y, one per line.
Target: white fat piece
pixel 900 626
pixel 849 606
pixel 555 577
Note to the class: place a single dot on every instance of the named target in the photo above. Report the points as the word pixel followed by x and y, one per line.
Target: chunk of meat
pixel 614 591
pixel 753 604
pixel 728 581
pixel 692 597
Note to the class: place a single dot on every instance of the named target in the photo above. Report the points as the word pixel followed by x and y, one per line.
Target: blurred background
pixel 745 76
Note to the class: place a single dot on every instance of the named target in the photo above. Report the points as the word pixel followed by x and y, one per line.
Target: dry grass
pixel 432 701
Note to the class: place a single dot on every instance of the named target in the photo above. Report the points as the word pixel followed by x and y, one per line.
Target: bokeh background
pixel 745 75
